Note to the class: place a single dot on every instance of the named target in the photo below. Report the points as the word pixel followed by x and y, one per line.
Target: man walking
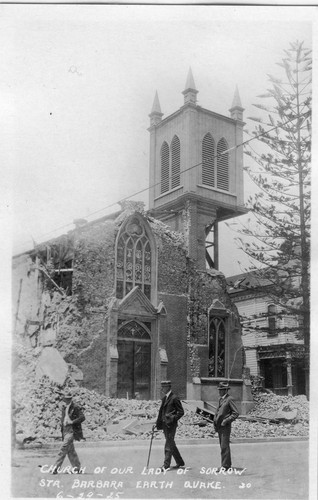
pixel 226 412
pixel 170 412
pixel 72 418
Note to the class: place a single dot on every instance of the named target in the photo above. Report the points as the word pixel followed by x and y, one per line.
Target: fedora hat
pixel 224 385
pixel 165 383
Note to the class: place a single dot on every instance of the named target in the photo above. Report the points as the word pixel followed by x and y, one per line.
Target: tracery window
pixel 133 259
pixel 217 347
pixel 208 161
pixel 222 165
pixel 132 330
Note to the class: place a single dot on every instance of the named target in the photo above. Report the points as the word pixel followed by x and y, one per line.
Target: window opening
pixel 222 165
pixel 133 260
pixel 217 347
pixel 175 162
pixel 271 310
pixel 165 168
pixel 63 277
pixel 211 246
pixel 208 174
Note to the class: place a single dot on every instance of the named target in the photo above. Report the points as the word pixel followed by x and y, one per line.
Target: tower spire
pixel 190 91
pixel 236 110
pixel 156 114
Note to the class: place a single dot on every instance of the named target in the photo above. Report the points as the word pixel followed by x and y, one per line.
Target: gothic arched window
pixel 217 347
pixel 222 165
pixel 133 259
pixel 208 174
pixel 175 162
pixel 165 161
pixel 170 173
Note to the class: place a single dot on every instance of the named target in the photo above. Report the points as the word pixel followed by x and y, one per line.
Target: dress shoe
pixel 164 469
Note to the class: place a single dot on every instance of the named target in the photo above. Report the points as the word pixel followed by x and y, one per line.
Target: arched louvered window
pixel 133 259
pixel 175 162
pixel 165 168
pixel 222 165
pixel 208 173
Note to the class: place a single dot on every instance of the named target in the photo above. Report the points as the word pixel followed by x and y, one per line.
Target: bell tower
pixel 196 170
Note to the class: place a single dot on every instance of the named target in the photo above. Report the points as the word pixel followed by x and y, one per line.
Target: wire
pixel 175 175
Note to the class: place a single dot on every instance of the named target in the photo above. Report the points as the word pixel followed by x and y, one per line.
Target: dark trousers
pixel 171 449
pixel 224 439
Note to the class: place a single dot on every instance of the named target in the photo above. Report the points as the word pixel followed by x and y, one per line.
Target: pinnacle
pixel 156 105
pixel 236 99
pixel 190 81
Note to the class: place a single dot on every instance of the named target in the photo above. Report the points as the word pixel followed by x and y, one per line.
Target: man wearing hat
pixel 72 418
pixel 170 412
pixel 225 413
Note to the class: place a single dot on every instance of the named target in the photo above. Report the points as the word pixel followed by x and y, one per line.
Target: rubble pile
pixel 107 418
pixel 41 402
pixel 271 407
pixel 267 404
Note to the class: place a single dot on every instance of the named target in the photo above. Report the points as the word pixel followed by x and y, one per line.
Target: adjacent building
pixel 272 340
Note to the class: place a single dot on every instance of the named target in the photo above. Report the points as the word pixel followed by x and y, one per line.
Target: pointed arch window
pixel 170 165
pixel 175 162
pixel 222 165
pixel 134 259
pixel 217 347
pixel 165 168
pixel 208 169
pixel 133 330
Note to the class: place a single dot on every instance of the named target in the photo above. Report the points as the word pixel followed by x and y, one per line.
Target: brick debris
pixel 106 418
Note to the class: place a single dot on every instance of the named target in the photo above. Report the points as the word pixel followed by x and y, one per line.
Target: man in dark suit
pixel 225 413
pixel 71 427
pixel 169 413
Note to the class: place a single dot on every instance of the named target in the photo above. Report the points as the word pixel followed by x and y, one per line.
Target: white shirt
pixel 168 394
pixel 67 418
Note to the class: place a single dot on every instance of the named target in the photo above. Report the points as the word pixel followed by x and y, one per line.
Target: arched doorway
pixel 134 360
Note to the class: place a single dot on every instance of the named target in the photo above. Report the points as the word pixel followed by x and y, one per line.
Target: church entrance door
pixel 134 361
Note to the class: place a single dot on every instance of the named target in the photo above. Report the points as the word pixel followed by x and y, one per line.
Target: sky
pixel 79 84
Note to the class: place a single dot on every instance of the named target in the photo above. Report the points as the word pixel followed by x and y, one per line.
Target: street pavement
pixel 264 470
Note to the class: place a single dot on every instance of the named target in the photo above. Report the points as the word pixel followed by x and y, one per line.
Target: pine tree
pixel 278 231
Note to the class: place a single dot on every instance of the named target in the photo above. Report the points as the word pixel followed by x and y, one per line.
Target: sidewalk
pixel 265 470
pixel 182 441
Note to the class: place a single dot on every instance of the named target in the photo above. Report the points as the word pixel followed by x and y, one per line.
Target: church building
pixel 136 297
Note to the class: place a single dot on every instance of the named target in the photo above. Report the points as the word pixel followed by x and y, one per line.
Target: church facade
pixel 136 297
